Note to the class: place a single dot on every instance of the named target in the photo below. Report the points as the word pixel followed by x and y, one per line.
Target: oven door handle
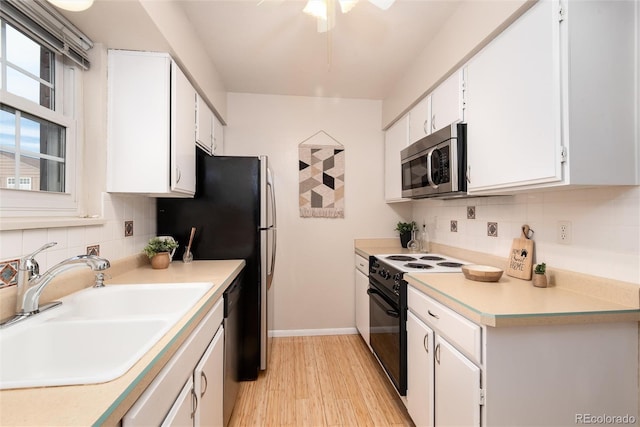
pixel 390 312
pixel 393 313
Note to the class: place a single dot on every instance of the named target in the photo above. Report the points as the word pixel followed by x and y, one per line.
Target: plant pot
pixel 539 280
pixel 160 260
pixel 405 238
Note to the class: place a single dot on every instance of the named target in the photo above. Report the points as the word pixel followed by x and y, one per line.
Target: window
pixel 37 140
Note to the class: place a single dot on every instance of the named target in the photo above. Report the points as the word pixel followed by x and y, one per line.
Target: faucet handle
pixel 29 263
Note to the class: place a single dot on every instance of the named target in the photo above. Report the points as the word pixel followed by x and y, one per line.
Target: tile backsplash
pixel 74 240
pixel 605 227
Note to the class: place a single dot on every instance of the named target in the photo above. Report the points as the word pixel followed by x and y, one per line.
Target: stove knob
pixel 397 277
pixel 396 289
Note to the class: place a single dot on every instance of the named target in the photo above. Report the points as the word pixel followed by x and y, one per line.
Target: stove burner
pixel 432 258
pixel 400 258
pixel 450 264
pixel 418 265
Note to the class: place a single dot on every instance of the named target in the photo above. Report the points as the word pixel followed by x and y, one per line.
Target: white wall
pixel 315 260
pixel 605 227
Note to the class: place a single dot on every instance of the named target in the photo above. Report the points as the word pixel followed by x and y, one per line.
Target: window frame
pixel 67 97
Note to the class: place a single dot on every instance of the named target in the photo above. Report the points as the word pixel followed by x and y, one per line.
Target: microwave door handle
pixel 429 178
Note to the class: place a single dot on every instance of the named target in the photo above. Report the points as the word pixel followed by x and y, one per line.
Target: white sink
pixel 95 336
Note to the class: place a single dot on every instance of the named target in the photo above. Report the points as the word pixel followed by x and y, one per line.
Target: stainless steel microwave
pixel 436 165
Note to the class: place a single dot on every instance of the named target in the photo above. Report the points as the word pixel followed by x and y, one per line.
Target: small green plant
pixel 157 245
pixel 405 227
pixel 540 268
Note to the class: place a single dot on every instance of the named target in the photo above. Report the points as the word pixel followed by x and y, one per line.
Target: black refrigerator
pixel 233 211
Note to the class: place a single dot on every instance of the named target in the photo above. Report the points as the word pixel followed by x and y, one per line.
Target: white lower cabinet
pixel 536 375
pixel 188 391
pixel 182 412
pixel 208 379
pixel 362 298
pixel 457 387
pixel 443 385
pixel 420 366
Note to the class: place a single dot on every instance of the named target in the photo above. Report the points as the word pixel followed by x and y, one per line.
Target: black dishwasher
pixel 232 342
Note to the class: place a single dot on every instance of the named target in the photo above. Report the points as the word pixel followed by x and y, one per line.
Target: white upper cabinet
pixel 204 125
pixel 151 126
pixel 209 130
pixel 420 120
pixel 218 137
pixel 443 106
pixel 546 107
pixel 447 102
pixel 396 138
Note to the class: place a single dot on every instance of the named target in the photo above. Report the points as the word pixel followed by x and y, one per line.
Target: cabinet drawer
pixel 362 264
pixel 463 333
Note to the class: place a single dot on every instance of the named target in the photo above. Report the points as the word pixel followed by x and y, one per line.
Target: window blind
pixel 46 25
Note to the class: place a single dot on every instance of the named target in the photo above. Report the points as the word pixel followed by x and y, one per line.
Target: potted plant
pixel 539 276
pixel 158 251
pixel 405 229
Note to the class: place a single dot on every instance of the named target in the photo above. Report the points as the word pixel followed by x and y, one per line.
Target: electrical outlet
pixel 128 228
pixel 564 232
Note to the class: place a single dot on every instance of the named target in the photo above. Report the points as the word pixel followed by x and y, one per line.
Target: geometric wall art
pixel 321 172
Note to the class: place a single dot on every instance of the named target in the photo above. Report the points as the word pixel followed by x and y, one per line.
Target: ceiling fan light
pixel 347 5
pixel 72 5
pixel 316 8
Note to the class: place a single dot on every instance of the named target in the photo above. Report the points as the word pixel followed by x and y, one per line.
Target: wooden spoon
pixel 188 256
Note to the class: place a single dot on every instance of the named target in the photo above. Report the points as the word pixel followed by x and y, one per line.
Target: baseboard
pixel 312 332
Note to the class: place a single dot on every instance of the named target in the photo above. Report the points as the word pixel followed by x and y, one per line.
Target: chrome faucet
pixel 31 283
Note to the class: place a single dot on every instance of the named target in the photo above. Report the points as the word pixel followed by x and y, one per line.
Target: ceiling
pixel 271 47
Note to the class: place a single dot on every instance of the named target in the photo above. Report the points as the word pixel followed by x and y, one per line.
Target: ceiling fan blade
pixel 382 4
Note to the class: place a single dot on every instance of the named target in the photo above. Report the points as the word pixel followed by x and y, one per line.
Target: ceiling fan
pixel 324 10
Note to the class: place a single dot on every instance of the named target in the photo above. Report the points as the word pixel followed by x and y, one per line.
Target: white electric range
pixel 422 263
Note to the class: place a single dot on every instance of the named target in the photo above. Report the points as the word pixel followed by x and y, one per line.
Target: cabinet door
pixel 420 380
pixel 457 387
pixel 513 105
pixel 204 125
pixel 183 152
pixel 138 122
pixel 447 102
pixel 362 305
pixel 183 410
pixel 218 137
pixel 208 383
pixel 420 120
pixel 396 138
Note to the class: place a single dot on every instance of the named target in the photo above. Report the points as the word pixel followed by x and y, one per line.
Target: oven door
pixel 388 336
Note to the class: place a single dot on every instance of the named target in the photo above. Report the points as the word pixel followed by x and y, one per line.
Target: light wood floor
pixel 320 381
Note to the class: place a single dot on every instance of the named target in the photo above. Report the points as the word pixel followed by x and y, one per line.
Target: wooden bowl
pixel 482 273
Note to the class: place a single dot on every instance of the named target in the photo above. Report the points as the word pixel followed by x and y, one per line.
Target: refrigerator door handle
pixel 270 185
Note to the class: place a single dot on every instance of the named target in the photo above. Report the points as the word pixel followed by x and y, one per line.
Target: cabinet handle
pixel 433 315
pixel 194 403
pixel 433 122
pixel 425 127
pixel 179 174
pixel 425 343
pixel 437 354
pixel 205 382
pixel 468 174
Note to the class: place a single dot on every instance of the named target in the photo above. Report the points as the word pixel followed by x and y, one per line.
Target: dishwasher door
pixel 232 342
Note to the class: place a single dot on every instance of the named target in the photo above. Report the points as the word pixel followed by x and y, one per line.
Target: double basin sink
pixel 95 336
